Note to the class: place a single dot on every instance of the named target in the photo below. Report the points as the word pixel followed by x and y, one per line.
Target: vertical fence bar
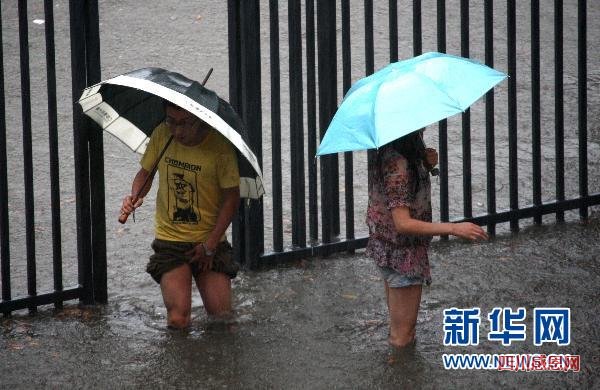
pixel 417 28
pixel 393 18
pixel 512 115
pixel 311 119
pixel 489 117
pixel 369 64
pixel 582 102
pixel 332 162
pixel 96 151
pixel 235 85
pixel 81 156
pixel 296 124
pixel 252 115
pixel 443 124
pixel 346 81
pixel 53 141
pixel 234 49
pixel 276 127
pixel 369 41
pixel 327 78
pixel 4 226
pixel 27 151
pixel 536 140
pixel 334 184
pixel 466 117
pixel 559 123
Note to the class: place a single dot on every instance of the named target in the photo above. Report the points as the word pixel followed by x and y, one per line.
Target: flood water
pixel 322 324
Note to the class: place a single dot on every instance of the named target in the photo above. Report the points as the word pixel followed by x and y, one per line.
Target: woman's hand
pixel 431 158
pixel 469 231
pixel 129 205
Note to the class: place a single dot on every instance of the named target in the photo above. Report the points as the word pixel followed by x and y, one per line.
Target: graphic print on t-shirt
pixel 183 194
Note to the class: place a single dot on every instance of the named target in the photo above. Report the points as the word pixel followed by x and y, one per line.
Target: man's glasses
pixel 186 123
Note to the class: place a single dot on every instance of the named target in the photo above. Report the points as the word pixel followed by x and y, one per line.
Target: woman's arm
pixel 405 224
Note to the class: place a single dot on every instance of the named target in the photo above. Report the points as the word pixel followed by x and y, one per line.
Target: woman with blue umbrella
pixel 386 111
pixel 400 229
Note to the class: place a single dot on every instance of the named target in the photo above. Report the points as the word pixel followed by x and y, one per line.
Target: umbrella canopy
pixel 404 97
pixel 131 105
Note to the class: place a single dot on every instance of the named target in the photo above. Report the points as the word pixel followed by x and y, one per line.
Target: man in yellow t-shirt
pixel 198 196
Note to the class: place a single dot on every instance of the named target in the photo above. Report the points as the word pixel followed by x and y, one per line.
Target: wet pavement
pixel 318 323
pixel 322 323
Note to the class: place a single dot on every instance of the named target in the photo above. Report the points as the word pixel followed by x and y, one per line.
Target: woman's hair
pixel 412 147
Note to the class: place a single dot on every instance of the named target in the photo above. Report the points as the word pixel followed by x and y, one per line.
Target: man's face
pixel 187 129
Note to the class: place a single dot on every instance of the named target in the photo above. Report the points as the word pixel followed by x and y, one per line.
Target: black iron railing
pixel 88 154
pixel 316 87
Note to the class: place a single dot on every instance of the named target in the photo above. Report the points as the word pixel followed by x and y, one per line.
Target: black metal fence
pixel 313 74
pixel 318 73
pixel 88 156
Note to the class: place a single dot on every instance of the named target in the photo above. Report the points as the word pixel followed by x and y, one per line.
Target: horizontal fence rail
pixel 316 87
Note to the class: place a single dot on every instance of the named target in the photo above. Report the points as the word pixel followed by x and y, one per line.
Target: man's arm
pixel 231 203
pixel 131 202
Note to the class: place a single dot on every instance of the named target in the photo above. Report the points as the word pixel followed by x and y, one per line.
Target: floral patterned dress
pixel 392 184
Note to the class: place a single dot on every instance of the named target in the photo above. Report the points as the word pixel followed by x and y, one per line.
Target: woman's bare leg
pixel 403 304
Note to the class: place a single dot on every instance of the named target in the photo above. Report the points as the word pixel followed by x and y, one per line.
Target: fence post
pixel 81 156
pixel 582 103
pixel 250 100
pixel 96 150
pixel 54 152
pixel 233 32
pixel 4 226
pixel 296 125
pixel 327 81
pixel 443 124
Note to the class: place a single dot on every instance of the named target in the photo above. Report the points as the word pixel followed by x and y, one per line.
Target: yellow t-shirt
pixel 190 181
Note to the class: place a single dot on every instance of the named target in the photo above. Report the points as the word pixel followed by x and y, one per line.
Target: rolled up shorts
pixel 396 280
pixel 169 255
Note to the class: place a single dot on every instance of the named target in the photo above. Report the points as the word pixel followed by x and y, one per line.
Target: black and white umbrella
pixel 131 105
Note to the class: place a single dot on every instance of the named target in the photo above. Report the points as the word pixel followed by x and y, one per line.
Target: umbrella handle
pixel 123 218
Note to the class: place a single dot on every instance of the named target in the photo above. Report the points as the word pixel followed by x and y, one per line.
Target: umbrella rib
pixel 374 132
pixel 441 89
pixel 143 101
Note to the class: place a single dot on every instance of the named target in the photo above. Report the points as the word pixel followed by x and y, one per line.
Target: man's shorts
pixel 169 255
pixel 396 280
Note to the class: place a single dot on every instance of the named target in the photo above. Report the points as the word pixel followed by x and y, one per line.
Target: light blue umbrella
pixel 404 97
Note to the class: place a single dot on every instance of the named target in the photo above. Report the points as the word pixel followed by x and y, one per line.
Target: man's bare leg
pixel 404 305
pixel 215 290
pixel 176 287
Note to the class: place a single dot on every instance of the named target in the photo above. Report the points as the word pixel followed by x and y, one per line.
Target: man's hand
pixel 129 205
pixel 198 255
pixel 469 231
